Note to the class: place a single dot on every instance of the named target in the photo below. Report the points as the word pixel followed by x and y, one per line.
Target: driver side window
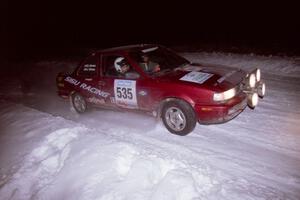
pixel 109 67
pixel 112 68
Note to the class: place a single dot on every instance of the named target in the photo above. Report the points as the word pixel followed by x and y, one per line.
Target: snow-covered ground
pixel 48 152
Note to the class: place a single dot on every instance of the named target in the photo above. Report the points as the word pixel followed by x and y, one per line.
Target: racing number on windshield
pixel 125 93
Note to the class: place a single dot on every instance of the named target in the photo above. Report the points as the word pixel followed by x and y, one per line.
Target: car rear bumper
pixel 63 94
pixel 214 114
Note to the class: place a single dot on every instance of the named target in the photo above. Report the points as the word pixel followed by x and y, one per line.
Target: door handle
pixel 101 83
pixel 88 79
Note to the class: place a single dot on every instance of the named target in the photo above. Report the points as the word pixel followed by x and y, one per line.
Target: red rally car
pixel 154 79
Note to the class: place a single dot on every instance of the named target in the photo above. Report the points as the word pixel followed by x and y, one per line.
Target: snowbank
pixel 63 160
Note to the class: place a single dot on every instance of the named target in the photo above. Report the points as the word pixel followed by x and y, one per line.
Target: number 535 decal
pixel 125 93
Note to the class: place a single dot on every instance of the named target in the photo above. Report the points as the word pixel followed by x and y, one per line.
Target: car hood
pixel 213 77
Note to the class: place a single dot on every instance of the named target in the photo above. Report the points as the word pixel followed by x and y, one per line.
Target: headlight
pixel 253 100
pixel 225 95
pixel 252 80
pixel 258 74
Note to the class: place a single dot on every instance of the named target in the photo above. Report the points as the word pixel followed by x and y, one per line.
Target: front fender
pixel 157 112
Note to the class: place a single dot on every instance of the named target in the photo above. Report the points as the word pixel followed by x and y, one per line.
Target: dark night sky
pixel 39 25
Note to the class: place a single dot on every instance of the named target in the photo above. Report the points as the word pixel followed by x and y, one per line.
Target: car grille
pixel 239 88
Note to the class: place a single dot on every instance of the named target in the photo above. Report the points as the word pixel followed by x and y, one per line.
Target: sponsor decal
pixel 72 81
pixel 96 100
pixel 142 93
pixel 87 87
pixel 89 67
pixel 125 93
pixel 93 90
pixel 196 77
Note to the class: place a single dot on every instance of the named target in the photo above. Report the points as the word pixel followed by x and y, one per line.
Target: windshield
pixel 157 60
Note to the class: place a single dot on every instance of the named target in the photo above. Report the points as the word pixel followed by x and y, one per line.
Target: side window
pixel 88 66
pixel 108 65
pixel 116 66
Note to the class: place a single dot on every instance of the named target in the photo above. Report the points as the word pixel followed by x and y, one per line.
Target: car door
pixel 122 87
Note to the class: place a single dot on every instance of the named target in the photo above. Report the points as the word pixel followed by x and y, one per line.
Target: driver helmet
pixel 119 62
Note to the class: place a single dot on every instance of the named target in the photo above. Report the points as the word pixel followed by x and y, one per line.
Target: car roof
pixel 128 48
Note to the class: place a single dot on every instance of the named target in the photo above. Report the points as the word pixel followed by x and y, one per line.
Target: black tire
pixel 178 117
pixel 78 103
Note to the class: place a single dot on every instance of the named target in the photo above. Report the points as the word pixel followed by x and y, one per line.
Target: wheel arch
pixel 187 100
pixel 70 96
pixel 183 121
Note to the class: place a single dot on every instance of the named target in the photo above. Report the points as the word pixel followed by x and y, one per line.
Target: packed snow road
pixel 48 152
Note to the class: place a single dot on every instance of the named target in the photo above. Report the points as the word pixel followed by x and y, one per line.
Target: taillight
pixel 60 81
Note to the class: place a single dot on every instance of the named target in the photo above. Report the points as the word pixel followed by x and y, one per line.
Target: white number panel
pixel 196 77
pixel 125 93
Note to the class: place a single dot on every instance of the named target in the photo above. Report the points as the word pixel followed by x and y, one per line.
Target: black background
pixel 49 28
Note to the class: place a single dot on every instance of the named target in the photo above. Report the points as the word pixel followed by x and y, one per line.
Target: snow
pixel 48 152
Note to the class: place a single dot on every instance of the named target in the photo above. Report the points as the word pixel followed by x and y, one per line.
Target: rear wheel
pixel 78 103
pixel 179 117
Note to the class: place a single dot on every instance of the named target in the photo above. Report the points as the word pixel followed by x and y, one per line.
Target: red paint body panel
pixel 146 92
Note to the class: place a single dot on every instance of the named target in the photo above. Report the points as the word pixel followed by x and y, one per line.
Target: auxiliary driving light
pixel 252 80
pixel 258 74
pixel 261 89
pixel 253 100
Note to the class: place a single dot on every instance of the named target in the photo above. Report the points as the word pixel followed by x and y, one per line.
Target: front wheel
pixel 179 117
pixel 78 103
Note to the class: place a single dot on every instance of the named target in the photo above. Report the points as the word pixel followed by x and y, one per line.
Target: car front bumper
pixel 220 113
